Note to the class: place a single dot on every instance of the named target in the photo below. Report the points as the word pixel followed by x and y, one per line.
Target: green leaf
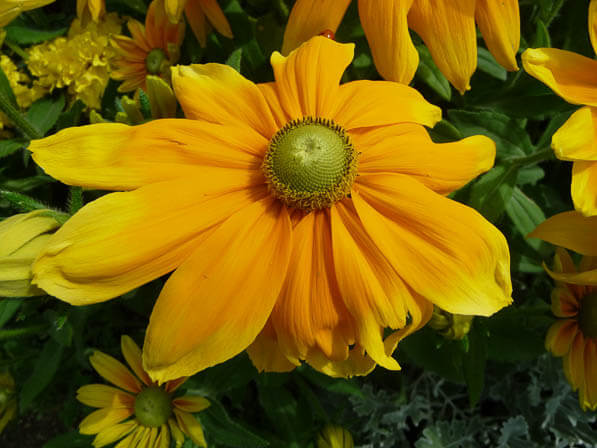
pixel 23 35
pixel 282 409
pixel 44 371
pixel 71 117
pixel 526 215
pixel 342 386
pixel 428 72
pixel 44 113
pixel 542 39
pixel 21 202
pixel 487 64
pixel 73 439
pixel 219 379
pixel 6 93
pixel 223 430
pixel 473 363
pixel 444 132
pixel 10 146
pixel 8 308
pixel 515 429
pixel 493 190
pixel 234 59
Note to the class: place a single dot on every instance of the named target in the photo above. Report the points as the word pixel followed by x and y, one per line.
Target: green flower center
pixel 587 317
pixel 153 406
pixel 310 163
pixel 154 61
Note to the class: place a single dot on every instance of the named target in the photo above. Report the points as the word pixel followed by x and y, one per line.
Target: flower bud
pixel 450 326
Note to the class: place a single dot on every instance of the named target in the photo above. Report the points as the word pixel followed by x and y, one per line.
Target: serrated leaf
pixel 223 430
pixel 493 190
pixel 23 35
pixel 487 64
pixel 428 72
pixel 514 428
pixel 44 113
pixel 44 371
pixel 525 214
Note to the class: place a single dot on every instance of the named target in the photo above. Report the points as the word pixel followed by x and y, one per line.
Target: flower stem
pixel 17 118
pixel 11 333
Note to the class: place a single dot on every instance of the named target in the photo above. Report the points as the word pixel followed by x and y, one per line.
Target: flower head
pixel 302 216
pixel 446 26
pixel 152 49
pixel 137 409
pixel 572 76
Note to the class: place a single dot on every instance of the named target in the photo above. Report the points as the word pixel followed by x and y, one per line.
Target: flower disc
pixel 153 406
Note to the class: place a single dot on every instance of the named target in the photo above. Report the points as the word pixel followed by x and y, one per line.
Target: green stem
pixel 536 157
pixel 18 50
pixel 76 199
pixel 282 9
pixel 11 333
pixel 18 119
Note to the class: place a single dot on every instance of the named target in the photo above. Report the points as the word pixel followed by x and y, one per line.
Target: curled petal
pixel 571 230
pixel 577 138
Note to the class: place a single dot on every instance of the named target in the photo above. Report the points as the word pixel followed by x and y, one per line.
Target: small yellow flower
pixel 446 26
pixel 572 76
pixel 450 326
pixel 10 9
pixel 156 414
pixel 22 238
pixel 333 436
pixel 152 49
pixel 8 399
pixel 200 14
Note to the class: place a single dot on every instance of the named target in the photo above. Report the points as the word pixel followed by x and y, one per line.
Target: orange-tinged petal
pixel 589 397
pixel 120 157
pixel 216 17
pixel 103 418
pixel 408 149
pixel 386 28
pixel 191 427
pixel 499 23
pixel 159 30
pixel 115 372
pixel 197 21
pixel 103 396
pixel 574 364
pixel 593 24
pixel 190 403
pixel 577 138
pixel 110 247
pixel 265 352
pixel 448 30
pixel 358 363
pixel 374 103
pixel 174 9
pixel 137 31
pixel 570 75
pixel 172 385
pixel 585 278
pixel 571 230
pixel 584 187
pixel 307 80
pixel 236 274
pixel 563 302
pixel 219 94
pixel 132 355
pixel 456 259
pixel 562 261
pixel 310 18
pixel 113 433
pixel 560 336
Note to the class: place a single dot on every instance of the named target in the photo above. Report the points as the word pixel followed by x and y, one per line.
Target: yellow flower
pixel 446 26
pixel 156 414
pixel 10 9
pixel 22 238
pixel 278 245
pixel 450 326
pixel 90 8
pixel 572 76
pixel 333 436
pixel 8 399
pixel 200 14
pixel 80 61
pixel 151 51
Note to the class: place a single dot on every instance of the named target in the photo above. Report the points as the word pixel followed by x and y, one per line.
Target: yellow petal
pixel 443 250
pixel 386 28
pixel 448 30
pixel 103 418
pixel 114 156
pixel 574 364
pixel 110 247
pixel 585 278
pixel 584 187
pixel 560 336
pixel 132 355
pixel 570 75
pixel 115 372
pixel 265 352
pixel 307 81
pixel 191 427
pixel 577 138
pixel 191 403
pixel 114 433
pixel 18 230
pixel 373 103
pixel 103 396
pixel 216 17
pixel 310 18
pixel 177 434
pixel 163 440
pixel 235 275
pixel 219 94
pixel 499 23
pixel 571 230
pixel 408 149
pixel 174 9
pixel 589 397
pixel 593 24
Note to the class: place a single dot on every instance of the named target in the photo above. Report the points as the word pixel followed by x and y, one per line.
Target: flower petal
pixel 563 302
pixel 448 30
pixel 310 18
pixel 216 17
pixel 574 364
pixel 115 372
pixel 571 230
pixel 443 250
pixel 219 94
pixel 191 403
pixel 163 440
pixel 560 336
pixel 570 75
pixel 132 355
pixel 115 156
pixel 386 28
pixel 103 418
pixel 374 103
pixel 585 278
pixel 158 28
pixel 408 149
pixel 499 23
pixel 103 396
pixel 593 24
pixel 265 352
pixel 110 247
pixel 174 9
pixel 235 275
pixel 307 81
pixel 589 395
pixel 584 187
pixel 191 427
pixel 577 138
pixel 113 433
pixel 197 21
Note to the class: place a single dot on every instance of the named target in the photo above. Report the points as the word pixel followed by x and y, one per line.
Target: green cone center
pixel 310 163
pixel 587 317
pixel 154 61
pixel 153 406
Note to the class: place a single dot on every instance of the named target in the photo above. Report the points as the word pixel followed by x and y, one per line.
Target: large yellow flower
pixel 572 76
pixel 156 413
pixel 200 14
pixel 152 49
pixel 303 218
pixel 446 26
pixel 10 9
